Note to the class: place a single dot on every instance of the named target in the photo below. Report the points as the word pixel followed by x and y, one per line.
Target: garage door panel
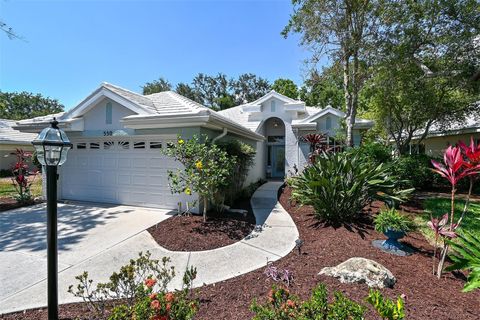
pixel 124 179
pixel 126 176
pixel 124 163
pixel 109 162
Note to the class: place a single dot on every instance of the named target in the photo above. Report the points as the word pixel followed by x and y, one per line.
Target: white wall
pixel 95 118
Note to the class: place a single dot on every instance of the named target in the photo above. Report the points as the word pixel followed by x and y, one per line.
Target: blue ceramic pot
pixel 392 239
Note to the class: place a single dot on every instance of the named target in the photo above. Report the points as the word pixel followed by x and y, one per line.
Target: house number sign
pixel 107 133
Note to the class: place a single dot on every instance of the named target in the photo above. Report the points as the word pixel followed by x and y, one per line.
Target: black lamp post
pixel 52 145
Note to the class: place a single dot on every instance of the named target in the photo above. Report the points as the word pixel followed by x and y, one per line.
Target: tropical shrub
pixel 376 152
pixel 139 291
pixel 339 185
pixel 467 257
pixel 282 305
pixel 386 308
pixel 21 176
pixel 244 155
pixel 415 171
pixel 391 219
pixel 207 169
pixel 459 163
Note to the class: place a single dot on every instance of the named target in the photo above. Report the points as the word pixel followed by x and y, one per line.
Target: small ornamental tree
pixel 460 162
pixel 20 176
pixel 207 169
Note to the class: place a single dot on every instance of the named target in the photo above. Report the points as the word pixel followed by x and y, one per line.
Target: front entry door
pixel 278 161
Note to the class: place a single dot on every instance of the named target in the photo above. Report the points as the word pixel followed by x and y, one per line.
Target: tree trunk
pixel 347 94
pixel 354 100
pixel 205 206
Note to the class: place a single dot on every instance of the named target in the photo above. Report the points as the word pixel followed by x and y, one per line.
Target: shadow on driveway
pixel 24 229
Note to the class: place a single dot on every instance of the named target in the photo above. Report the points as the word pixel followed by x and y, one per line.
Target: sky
pixel 71 47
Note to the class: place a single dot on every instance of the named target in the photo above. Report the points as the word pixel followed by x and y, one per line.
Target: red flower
pixel 169 297
pixel 472 152
pixel 155 304
pixel 153 296
pixel 454 163
pixel 290 303
pixel 150 282
pixel 158 317
pixel 168 307
pixel 439 227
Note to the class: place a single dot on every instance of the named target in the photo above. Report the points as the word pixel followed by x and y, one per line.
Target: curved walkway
pixel 273 238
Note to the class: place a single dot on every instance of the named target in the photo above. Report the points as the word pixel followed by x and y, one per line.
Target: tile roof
pixel 11 136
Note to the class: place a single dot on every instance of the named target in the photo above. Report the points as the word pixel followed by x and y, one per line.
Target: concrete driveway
pixel 85 230
pixel 101 239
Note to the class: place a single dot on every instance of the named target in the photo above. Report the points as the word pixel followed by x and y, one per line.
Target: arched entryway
pixel 275 157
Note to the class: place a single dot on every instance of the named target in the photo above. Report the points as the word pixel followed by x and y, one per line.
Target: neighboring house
pixel 117 137
pixel 439 138
pixel 10 140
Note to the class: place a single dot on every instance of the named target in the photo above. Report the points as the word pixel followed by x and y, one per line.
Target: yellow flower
pixel 180 141
pixel 188 191
pixel 199 165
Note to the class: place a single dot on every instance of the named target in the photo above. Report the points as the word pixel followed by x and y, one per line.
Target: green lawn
pixel 439 206
pixel 7 189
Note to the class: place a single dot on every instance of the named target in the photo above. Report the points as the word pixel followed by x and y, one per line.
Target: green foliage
pixel 436 208
pixel 244 155
pixel 386 308
pixel 138 284
pixel 466 256
pixel 23 105
pixel 414 171
pixel 207 169
pixel 248 87
pixel 156 86
pixel 325 88
pixel 216 91
pixel 286 87
pixel 376 152
pixel 282 305
pixel 339 185
pixel 391 219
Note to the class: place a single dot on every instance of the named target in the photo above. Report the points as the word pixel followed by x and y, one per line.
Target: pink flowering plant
pixel 139 290
pixel 22 178
pixel 460 162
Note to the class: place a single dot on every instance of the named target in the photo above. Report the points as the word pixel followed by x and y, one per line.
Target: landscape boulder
pixel 361 270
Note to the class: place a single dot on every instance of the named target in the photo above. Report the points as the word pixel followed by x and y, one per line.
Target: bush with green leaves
pixel 207 169
pixel 377 152
pixel 386 308
pixel 282 305
pixel 139 291
pixel 466 256
pixel 391 219
pixel 244 155
pixel 340 185
pixel 415 171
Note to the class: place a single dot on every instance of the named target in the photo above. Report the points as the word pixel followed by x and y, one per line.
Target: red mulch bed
pixel 426 297
pixel 190 233
pixel 8 203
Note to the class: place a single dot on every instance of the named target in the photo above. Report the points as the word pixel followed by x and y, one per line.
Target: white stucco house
pixel 10 140
pixel 118 134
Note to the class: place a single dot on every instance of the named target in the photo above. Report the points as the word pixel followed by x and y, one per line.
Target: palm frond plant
pixel 466 257
pixel 340 185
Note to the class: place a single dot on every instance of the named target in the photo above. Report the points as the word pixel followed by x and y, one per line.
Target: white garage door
pixel 123 171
